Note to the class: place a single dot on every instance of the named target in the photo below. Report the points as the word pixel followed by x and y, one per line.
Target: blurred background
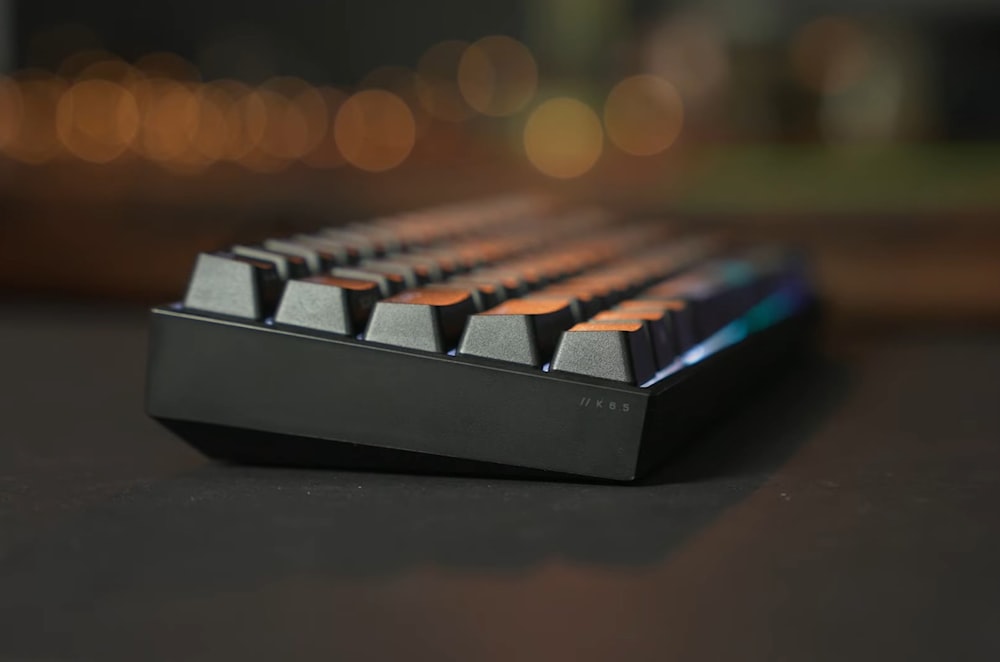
pixel 133 135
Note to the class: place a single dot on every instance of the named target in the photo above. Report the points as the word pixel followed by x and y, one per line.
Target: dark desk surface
pixel 852 512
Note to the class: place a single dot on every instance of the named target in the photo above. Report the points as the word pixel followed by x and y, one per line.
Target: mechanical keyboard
pixel 511 336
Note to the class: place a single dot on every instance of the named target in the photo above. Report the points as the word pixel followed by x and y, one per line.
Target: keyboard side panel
pixel 257 378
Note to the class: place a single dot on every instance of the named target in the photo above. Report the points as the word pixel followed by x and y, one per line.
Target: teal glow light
pixel 775 308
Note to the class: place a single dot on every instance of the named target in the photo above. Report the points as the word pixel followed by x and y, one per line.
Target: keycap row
pixel 397 254
pixel 546 285
pixel 606 323
pixel 575 289
pixel 632 332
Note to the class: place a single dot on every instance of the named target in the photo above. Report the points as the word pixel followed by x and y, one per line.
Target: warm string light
pixel 35 141
pixel 405 84
pixel 97 120
pixel 374 130
pixel 326 154
pixel 99 109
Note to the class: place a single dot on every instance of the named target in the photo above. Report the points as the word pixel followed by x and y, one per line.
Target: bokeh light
pixel 405 84
pixel 326 154
pixel 296 118
pixel 643 115
pixel 110 69
pixel 374 130
pixel 169 116
pixel 11 109
pixel 830 54
pixel 212 133
pixel 497 76
pixel 97 120
pixel 563 138
pixel 246 119
pixel 74 64
pixel 437 81
pixel 35 141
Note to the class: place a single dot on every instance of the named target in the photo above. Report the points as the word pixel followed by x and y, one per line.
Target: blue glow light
pixel 768 312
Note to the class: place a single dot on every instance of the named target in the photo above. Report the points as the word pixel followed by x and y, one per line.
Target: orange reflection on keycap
pixel 607 326
pixel 439 296
pixel 528 307
pixel 346 283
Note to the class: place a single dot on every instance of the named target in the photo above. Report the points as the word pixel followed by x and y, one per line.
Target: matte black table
pixel 852 512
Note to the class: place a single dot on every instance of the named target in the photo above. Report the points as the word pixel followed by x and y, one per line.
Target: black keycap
pixel 388 283
pixel 710 298
pixel 449 261
pixel 333 253
pixel 365 246
pixel 484 295
pixel 583 304
pixel 312 256
pixel 657 323
pixel 427 319
pixel 610 288
pixel 518 330
pixel 233 285
pixel 288 266
pixel 514 284
pixel 387 241
pixel 328 303
pixel 610 350
pixel 413 275
pixel 681 318
pixel 490 288
pixel 435 268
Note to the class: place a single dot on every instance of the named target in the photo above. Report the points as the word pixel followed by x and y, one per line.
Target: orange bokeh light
pixel 35 140
pixel 245 118
pixel 112 69
pixel 169 115
pixel 405 84
pixel 643 115
pixel 563 138
pixel 97 120
pixel 11 110
pixel 78 62
pixel 374 130
pixel 212 133
pixel 326 154
pixel 497 76
pixel 297 118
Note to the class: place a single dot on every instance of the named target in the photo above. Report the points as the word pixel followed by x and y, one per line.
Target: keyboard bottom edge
pixel 254 447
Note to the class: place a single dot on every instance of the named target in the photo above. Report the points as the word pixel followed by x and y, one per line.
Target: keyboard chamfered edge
pixel 248 375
